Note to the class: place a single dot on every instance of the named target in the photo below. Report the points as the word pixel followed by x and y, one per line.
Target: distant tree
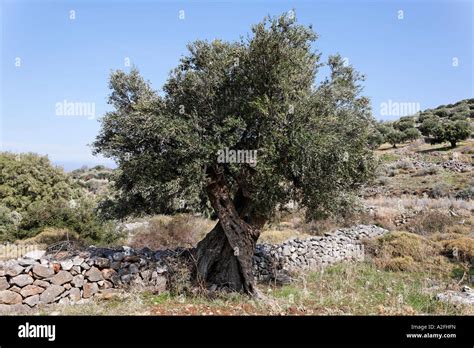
pixel 452 132
pixel 375 138
pixel 395 137
pixel 404 123
pixel 383 128
pixel 411 134
pixel 428 125
pixel 253 95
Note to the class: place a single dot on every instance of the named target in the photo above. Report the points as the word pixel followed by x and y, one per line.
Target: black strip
pixel 292 331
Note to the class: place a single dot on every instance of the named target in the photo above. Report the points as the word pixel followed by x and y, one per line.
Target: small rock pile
pixel 456 166
pixel 464 297
pixel 294 254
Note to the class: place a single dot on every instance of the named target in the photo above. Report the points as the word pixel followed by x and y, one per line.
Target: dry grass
pixel 169 232
pixel 462 249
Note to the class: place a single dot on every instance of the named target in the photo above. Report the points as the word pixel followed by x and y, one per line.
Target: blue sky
pixel 48 58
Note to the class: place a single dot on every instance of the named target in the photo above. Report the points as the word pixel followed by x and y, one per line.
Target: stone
pixel 108 284
pixel 26 262
pixel 64 301
pixel 10 297
pixel 126 278
pixel 75 270
pixel 61 278
pixel 90 289
pixel 42 271
pixel 67 265
pixel 102 262
pixel 116 265
pixel 78 281
pixel 32 300
pixel 108 273
pixel 50 294
pixel 42 283
pixel 160 284
pixel 67 286
pixel 75 294
pixel 13 270
pixel 94 275
pixel 118 256
pixel 77 260
pixel 146 275
pixel 34 254
pixel 15 289
pixel 22 280
pixel 131 258
pixel 85 266
pixel 31 290
pixel 133 268
pixel 4 285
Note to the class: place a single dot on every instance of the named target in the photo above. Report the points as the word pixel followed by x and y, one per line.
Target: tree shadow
pixel 444 148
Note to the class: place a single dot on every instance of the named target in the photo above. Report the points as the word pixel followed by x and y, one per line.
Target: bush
pixel 80 218
pixel 403 164
pixel 403 251
pixel 430 222
pixel 462 249
pixel 431 170
pixel 29 178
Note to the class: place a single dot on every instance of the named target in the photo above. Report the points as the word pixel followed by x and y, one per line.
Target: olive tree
pixel 255 100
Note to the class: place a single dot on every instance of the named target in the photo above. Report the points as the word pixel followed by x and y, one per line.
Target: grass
pixel 341 289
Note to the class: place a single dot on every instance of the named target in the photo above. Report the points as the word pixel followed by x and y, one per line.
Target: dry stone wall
pixel 39 279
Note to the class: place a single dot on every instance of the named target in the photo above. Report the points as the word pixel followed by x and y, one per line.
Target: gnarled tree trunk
pixel 225 255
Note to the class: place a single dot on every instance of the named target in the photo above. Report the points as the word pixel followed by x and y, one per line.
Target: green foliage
pixel 79 217
pixel 429 124
pixel 257 94
pixel 395 137
pixel 28 178
pixel 411 134
pixel 451 131
pixel 375 139
pixel 404 123
pixel 35 195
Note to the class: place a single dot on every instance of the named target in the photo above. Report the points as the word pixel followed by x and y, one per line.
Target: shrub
pixel 462 249
pixel 29 178
pixel 430 222
pixel 80 218
pixel 403 164
pixel 403 251
pixel 431 170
